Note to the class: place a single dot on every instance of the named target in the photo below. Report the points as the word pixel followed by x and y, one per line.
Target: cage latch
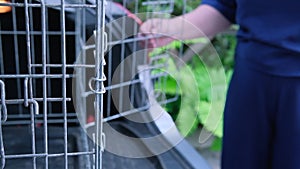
pixel 28 101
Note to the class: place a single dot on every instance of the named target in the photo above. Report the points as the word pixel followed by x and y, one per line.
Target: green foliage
pixel 202 97
pixel 210 81
pixel 180 6
pixel 188 4
pixel 217 144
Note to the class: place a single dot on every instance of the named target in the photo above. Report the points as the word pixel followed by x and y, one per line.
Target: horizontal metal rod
pixel 21 101
pixel 49 5
pixel 60 65
pixel 18 32
pixel 156 2
pixel 53 115
pixel 49 121
pixel 52 76
pixel 47 155
pixel 126 113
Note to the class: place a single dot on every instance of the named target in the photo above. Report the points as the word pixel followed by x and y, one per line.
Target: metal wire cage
pixel 42 43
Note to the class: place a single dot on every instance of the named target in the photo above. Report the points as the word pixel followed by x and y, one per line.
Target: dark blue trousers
pixel 261 121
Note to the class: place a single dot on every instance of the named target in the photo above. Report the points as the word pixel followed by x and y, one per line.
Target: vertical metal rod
pixel 48 61
pixel 28 44
pixel 32 113
pixel 83 58
pixel 110 55
pixel 98 68
pixel 4 111
pixel 134 64
pixel 148 14
pixel 1 54
pixel 32 46
pixel 3 103
pixel 122 62
pixel 16 49
pixel 64 83
pixel 2 152
pixel 44 67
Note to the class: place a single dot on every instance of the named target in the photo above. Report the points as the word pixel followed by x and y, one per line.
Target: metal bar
pixel 2 150
pixel 28 42
pixel 50 121
pixel 67 65
pixel 48 5
pixel 129 40
pixel 48 61
pixel 21 101
pixel 4 114
pixel 16 49
pixel 149 3
pixel 32 46
pixel 121 90
pixel 44 67
pixel 134 57
pixel 19 32
pixel 1 54
pixel 135 81
pixel 53 76
pixel 64 83
pixel 46 155
pixel 32 114
pixel 99 60
pixel 126 113
pixel 108 98
pixel 136 110
pixel 40 116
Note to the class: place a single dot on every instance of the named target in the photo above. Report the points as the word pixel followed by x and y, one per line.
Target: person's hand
pixel 157 31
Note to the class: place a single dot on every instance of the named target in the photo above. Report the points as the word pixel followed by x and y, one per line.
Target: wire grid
pixel 37 62
pixel 125 82
pixel 39 46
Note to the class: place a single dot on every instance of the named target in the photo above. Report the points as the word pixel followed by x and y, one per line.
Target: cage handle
pixel 4 112
pixel 3 104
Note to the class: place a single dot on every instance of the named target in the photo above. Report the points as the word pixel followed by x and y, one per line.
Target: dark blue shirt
pixel 269 34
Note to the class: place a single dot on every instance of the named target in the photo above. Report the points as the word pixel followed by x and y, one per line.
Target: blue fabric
pixel 269 34
pixel 261 121
pixel 262 112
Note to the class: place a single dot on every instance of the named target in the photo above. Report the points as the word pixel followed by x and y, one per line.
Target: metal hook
pixel 102 90
pixel 35 105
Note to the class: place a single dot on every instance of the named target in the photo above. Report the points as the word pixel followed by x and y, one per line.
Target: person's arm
pixel 203 21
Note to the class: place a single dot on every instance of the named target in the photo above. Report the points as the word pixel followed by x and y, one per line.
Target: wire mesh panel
pixel 39 41
pixel 69 70
pixel 128 50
